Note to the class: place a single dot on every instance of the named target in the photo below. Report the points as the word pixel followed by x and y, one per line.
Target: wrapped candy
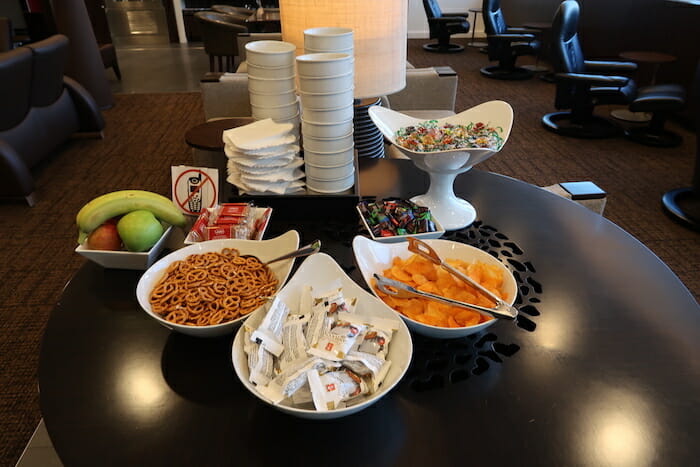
pixel 394 216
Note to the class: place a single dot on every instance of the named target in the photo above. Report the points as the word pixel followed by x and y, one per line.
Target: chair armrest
pixel 609 65
pixel 448 19
pixel 512 37
pixel 522 31
pixel 20 181
pixel 598 80
pixel 89 115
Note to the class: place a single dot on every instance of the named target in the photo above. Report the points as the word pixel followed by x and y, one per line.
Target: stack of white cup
pixel 326 75
pixel 271 82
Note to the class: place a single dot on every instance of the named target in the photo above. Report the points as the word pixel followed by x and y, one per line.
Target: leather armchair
pixel 506 44
pixel 220 37
pixel 239 11
pixel 41 109
pixel 581 85
pixel 442 27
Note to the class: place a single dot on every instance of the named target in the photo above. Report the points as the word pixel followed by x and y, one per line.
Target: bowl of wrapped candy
pixel 324 348
pixel 394 220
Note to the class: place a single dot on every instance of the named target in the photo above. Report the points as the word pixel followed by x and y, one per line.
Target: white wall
pixel 418 24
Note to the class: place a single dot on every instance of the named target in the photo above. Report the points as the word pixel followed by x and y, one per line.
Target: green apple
pixel 139 230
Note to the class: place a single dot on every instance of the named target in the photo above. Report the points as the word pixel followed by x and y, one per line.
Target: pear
pixel 139 230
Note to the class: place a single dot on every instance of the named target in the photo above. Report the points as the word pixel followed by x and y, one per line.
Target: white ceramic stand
pixel 452 212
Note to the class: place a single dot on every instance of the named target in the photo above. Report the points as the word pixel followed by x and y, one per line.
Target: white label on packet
pixel 269 333
pixel 331 389
pixel 293 341
pixel 336 342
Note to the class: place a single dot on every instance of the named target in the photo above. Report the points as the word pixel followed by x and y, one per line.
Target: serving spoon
pixel 307 250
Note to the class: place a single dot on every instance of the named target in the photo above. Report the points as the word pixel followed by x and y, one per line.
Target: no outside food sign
pixel 195 188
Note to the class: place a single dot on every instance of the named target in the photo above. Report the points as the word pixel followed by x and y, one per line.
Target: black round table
pixel 601 368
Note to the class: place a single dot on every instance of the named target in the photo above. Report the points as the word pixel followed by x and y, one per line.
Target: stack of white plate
pixel 326 92
pixel 271 82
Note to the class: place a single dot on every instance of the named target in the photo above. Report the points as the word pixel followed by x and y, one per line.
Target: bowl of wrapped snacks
pixel 206 289
pixel 445 148
pixel 338 348
pixel 428 317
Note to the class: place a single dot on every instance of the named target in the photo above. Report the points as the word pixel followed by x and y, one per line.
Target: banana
pixel 104 207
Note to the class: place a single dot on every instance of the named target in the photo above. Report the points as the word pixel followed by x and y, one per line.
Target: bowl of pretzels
pixel 207 289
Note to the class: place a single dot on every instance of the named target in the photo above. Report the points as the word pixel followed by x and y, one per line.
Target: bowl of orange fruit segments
pixel 428 317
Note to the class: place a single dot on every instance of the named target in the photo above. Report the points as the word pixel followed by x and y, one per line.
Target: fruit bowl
pixel 125 259
pixel 443 166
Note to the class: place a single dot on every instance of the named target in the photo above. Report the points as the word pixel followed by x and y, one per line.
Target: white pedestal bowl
pixel 444 166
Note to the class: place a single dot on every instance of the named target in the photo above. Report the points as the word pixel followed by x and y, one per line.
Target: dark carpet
pixel 144 136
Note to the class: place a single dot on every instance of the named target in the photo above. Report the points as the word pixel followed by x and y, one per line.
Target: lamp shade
pixel 379 31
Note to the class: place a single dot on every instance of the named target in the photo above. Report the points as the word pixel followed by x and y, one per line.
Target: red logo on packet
pixel 329 346
pixel 330 387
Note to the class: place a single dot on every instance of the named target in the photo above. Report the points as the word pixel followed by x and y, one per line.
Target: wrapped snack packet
pixel 293 341
pixel 269 333
pixel 260 362
pixel 336 342
pixel 289 381
pixel 331 389
pixel 319 321
pixel 376 337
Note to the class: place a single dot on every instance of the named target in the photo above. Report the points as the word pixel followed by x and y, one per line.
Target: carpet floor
pixel 144 136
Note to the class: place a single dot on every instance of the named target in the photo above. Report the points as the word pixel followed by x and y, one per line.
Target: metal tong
pixel 502 309
pixel 309 249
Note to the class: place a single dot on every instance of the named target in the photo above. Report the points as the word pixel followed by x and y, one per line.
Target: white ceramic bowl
pixel 328 38
pixel 279 112
pixel 271 86
pixel 320 271
pixel 321 84
pixel 325 129
pixel 270 72
pixel 329 172
pixel 273 99
pixel 264 249
pixel 439 232
pixel 270 53
pixel 125 259
pixel 329 159
pixel 337 115
pixel 327 100
pixel 374 257
pixel 341 143
pixel 337 185
pixel 444 166
pixel 325 64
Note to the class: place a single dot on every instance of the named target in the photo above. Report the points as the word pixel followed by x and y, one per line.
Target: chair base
pixel 443 48
pixel 656 138
pixel 594 128
pixel 683 204
pixel 496 72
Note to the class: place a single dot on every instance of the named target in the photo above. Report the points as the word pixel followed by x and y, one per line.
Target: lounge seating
pixel 506 44
pixel 219 34
pixel 41 109
pixel 583 84
pixel 442 27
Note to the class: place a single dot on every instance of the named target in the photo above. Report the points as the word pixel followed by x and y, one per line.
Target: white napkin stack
pixel 263 157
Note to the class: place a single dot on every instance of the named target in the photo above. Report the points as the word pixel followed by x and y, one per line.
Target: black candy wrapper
pixel 395 216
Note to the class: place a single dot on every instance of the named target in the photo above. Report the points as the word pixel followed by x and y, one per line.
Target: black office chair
pixel 583 84
pixel 442 27
pixel 220 37
pixel 506 44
